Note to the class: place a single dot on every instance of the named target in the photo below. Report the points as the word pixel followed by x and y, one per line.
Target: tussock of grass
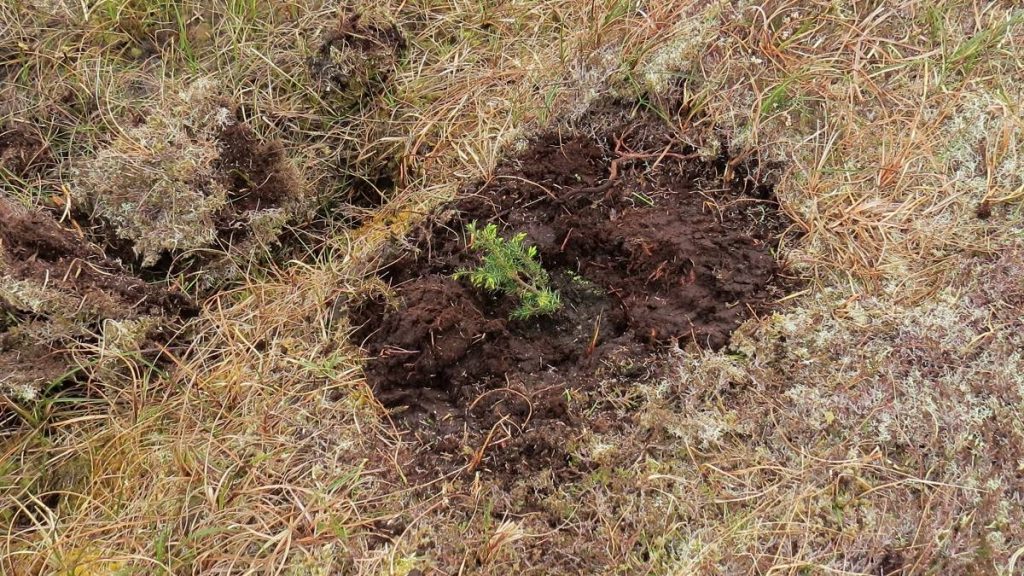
pixel 872 426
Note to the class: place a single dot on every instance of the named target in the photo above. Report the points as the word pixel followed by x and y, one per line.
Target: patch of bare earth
pixel 650 246
pixel 181 206
pixel 23 153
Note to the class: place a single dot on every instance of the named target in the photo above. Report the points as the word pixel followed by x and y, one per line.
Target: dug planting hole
pixel 581 261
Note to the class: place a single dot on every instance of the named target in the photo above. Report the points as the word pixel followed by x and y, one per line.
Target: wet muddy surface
pixel 650 246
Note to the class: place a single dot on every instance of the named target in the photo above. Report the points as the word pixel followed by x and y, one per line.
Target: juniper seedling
pixel 511 267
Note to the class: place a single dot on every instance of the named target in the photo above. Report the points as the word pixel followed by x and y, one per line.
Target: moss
pixel 156 185
pixel 675 58
pixel 24 295
pixel 191 172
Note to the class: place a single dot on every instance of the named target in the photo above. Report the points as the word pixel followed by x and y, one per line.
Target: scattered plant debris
pixel 357 56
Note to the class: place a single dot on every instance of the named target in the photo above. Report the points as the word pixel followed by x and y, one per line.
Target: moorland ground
pixel 230 340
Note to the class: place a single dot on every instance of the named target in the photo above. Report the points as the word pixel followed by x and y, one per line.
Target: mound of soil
pixel 71 288
pixel 60 284
pixel 263 189
pixel 257 173
pixel 356 56
pixel 35 247
pixel 258 177
pixel 648 246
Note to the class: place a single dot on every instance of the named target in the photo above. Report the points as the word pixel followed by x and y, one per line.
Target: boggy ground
pixel 650 246
pixel 873 426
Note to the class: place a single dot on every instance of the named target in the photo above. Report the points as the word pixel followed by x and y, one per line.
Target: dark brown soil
pixel 355 59
pixel 984 210
pixel 36 250
pixel 647 244
pixel 258 176
pixel 35 247
pixel 22 153
pixel 257 173
pixel 84 261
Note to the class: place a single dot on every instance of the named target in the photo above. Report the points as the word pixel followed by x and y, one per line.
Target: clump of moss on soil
pixel 357 56
pixel 192 170
pixel 60 296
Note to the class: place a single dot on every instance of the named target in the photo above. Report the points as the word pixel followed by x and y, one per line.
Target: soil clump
pixel 23 153
pixel 56 292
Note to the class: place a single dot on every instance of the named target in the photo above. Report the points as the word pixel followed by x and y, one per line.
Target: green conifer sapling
pixel 511 267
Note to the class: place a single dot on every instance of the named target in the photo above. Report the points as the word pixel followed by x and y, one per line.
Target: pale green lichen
pixel 984 151
pixel 30 296
pixel 266 225
pixel 675 59
pixel 156 184
pixel 833 408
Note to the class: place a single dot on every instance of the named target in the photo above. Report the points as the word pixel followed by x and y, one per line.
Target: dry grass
pixel 872 426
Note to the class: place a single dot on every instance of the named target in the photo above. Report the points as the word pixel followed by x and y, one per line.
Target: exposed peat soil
pixel 69 289
pixel 22 153
pixel 356 54
pixel 650 247
pixel 65 280
pixel 69 252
